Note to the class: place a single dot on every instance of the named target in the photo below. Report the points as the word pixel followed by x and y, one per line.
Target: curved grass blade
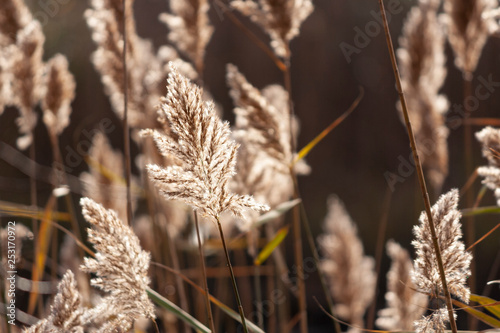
pixel 489 303
pixel 177 311
pixel 481 211
pixel 271 246
pixel 304 151
pixel 275 213
pixel 478 314
pixel 18 210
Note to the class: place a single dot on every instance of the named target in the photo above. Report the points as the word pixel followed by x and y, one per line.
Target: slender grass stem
pixel 314 250
pixel 126 130
pixel 251 35
pixel 382 227
pixel 233 279
pixel 297 230
pixel 204 273
pixel 469 195
pixel 420 173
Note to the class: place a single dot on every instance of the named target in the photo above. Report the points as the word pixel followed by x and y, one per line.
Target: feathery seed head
pixel 404 303
pixel 59 91
pixel 120 264
pixel 456 261
pixel 280 19
pixel 351 272
pixel 201 142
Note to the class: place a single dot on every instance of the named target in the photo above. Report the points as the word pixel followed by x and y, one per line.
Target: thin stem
pixel 250 35
pixel 233 279
pixel 297 231
pixel 469 195
pixel 204 273
pixel 314 250
pixel 126 131
pixel 258 295
pixel 420 173
pixel 378 253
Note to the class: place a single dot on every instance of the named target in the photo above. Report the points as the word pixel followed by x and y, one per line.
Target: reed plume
pixel 422 64
pixel 467 30
pixel 27 69
pixel 121 267
pixel 104 183
pixel 456 260
pixel 58 93
pixel 66 311
pixel 350 273
pixel 22 233
pixel 21 49
pixel 201 142
pixel 262 130
pixel 190 28
pixel 404 303
pixel 146 71
pixel 489 138
pixel 280 19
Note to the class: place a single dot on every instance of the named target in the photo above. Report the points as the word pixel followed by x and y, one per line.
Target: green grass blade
pixel 478 314
pixel 481 211
pixel 236 316
pixel 271 246
pixel 489 304
pixel 178 312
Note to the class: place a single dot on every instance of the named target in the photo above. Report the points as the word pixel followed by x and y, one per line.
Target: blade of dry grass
pixel 304 151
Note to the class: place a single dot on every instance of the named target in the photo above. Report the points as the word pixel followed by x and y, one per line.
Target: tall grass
pixel 189 193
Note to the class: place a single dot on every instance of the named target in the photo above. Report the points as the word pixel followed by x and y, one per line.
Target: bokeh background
pixel 350 162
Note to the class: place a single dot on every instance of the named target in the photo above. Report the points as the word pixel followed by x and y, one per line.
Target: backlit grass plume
pixel 456 260
pixel 280 19
pixel 121 267
pixel 201 142
pixel 104 183
pixel 468 30
pixel 422 63
pixel 350 273
pixel 190 28
pixel 262 130
pixel 58 93
pixel 66 311
pixel 404 303
pixel 490 141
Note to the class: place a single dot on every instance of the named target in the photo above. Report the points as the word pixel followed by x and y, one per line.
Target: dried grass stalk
pixel 280 19
pixel 422 63
pixel 196 137
pixel 58 93
pixel 190 28
pixel 456 260
pixel 121 267
pixel 467 30
pixel 490 142
pixel 66 311
pixel 404 303
pixel 351 274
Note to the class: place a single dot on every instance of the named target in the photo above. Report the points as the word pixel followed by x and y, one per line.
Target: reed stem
pixel 233 279
pixel 420 173
pixel 204 273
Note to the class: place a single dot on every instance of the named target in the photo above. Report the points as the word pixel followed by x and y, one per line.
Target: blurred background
pixel 350 161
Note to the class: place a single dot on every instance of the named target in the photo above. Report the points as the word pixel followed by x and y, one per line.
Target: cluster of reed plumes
pixel 207 194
